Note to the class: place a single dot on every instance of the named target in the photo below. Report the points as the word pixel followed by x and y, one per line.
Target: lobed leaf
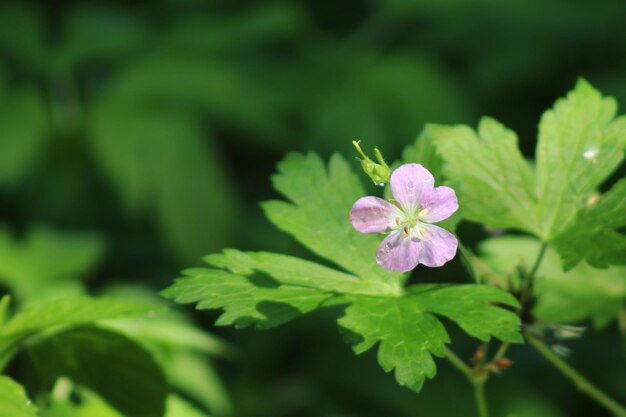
pixel 580 144
pixel 409 333
pixel 245 301
pixel 317 215
pixel 493 181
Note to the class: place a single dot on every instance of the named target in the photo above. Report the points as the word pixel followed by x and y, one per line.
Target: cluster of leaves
pixel 267 289
pixel 580 144
pixel 122 354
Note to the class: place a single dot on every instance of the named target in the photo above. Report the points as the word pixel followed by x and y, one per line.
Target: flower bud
pixel 378 172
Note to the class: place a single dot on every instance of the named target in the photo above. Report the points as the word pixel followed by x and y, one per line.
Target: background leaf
pixel 580 294
pixel 68 312
pixel 47 263
pixel 123 373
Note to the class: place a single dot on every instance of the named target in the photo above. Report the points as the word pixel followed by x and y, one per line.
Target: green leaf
pixel 68 312
pixel 409 333
pixel 113 366
pixel 579 294
pixel 24 124
pixel 163 163
pixel 493 181
pixel 593 234
pixel 178 407
pixel 45 260
pixel 289 270
pixel 245 303
pixel 580 144
pixel 317 215
pixel 13 400
pixel 197 378
pixel 180 348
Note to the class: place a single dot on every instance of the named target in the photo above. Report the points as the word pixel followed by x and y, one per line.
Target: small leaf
pixel 13 400
pixel 110 364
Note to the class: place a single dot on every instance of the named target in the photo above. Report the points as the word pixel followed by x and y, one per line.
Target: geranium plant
pixel 562 245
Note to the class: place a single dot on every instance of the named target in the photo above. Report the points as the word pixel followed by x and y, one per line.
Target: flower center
pixel 410 222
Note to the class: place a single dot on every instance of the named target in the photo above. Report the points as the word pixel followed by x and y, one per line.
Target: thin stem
pixel 577 379
pixel 535 268
pixel 459 364
pixel 528 281
pixel 466 260
pixel 622 326
pixel 504 347
pixel 478 381
pixel 481 399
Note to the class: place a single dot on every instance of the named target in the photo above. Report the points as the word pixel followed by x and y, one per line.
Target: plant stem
pixel 535 268
pixel 478 381
pixel 622 326
pixel 481 400
pixel 577 379
pixel 528 281
pixel 459 364
pixel 504 347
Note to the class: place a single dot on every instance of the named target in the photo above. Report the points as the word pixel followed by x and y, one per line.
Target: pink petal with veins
pixel 409 183
pixel 373 215
pixel 440 204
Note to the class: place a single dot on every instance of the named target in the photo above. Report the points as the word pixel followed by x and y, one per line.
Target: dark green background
pixel 156 125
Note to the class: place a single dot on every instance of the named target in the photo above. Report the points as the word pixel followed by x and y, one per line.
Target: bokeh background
pixel 152 127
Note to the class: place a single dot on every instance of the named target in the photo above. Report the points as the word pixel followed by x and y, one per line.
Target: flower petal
pixel 440 204
pixel 373 215
pixel 398 252
pixel 436 245
pixel 409 183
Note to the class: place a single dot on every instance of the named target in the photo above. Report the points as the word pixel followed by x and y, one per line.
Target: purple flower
pixel 412 239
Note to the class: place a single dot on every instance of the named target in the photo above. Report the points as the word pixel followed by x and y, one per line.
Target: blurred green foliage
pixel 155 126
